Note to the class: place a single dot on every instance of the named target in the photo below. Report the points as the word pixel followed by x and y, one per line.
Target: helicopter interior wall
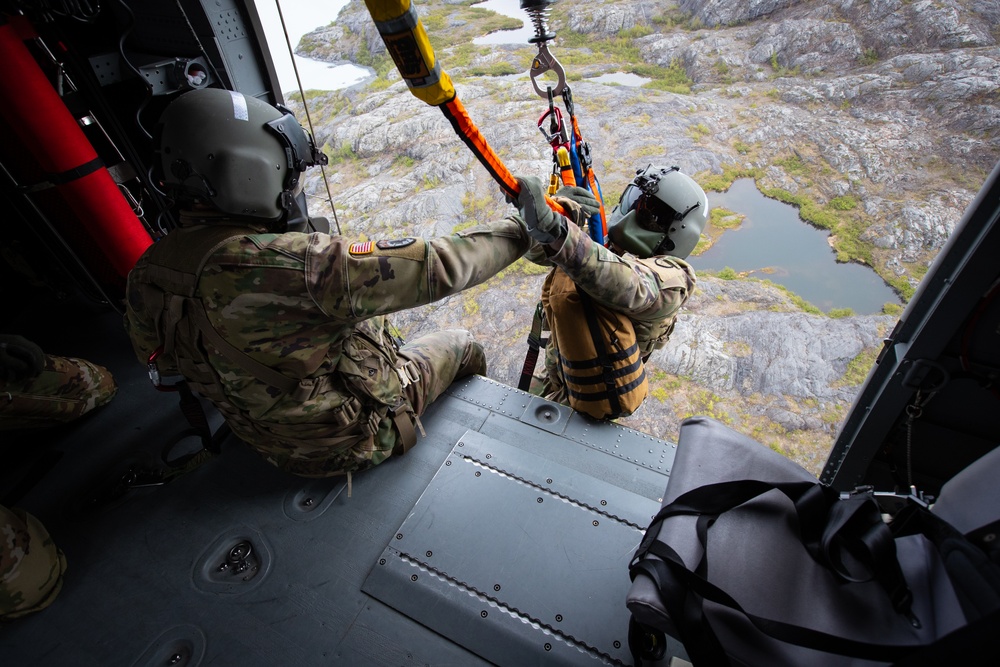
pixel 928 408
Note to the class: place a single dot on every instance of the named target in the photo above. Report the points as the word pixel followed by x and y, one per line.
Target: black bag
pixel 751 561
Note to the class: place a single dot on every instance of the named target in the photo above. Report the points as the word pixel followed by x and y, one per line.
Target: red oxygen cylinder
pixel 33 111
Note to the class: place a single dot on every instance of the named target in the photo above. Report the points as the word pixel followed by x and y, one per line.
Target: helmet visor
pixel 654 214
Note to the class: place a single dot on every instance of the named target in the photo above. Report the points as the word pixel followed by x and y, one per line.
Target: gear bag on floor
pixel 752 561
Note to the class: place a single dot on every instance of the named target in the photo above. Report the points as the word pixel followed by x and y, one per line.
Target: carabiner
pixel 545 62
pixel 556 135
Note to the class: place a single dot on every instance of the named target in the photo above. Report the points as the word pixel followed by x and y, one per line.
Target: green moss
pixel 343 153
pixel 727 274
pixel 798 301
pixel 404 162
pixel 839 313
pixel 844 203
pixel 793 165
pixel 858 367
pixel 891 308
pixel 722 218
pixel 502 68
pixel 868 57
pixel 730 172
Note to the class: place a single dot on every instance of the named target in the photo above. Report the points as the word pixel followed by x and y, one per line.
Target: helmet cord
pixel 305 107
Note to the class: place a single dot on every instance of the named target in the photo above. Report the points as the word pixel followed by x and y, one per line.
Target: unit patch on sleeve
pixel 392 244
pixel 364 248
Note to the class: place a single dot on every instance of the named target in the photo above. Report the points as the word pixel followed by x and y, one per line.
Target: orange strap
pixel 455 112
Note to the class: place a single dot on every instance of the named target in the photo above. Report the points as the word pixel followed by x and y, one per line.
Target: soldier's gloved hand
pixel 20 359
pixel 579 202
pixel 543 224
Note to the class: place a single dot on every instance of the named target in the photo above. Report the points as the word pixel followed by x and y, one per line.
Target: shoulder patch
pixel 391 244
pixel 364 248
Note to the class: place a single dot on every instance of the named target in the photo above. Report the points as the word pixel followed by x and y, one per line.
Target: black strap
pixel 847 536
pixel 688 591
pixel 602 352
pixel 535 342
pixel 63 177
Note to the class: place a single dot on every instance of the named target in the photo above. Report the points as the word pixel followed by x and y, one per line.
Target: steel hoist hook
pixel 546 62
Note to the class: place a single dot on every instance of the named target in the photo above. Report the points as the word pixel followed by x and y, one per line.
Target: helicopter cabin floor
pixel 502 537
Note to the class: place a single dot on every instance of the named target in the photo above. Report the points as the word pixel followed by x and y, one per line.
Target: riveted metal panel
pixel 516 557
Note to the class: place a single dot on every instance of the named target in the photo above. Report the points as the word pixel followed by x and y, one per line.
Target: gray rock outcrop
pixel 893 104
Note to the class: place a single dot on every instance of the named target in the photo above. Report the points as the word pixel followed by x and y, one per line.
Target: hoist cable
pixel 305 107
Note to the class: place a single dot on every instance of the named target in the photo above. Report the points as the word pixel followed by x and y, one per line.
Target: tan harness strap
pixel 407 434
pixel 241 359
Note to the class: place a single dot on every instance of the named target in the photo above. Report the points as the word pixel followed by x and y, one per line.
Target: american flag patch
pixel 361 248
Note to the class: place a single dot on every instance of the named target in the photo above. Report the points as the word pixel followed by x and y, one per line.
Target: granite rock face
pixel 892 105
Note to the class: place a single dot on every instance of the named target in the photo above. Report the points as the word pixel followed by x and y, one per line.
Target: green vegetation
pixel 502 68
pixel 892 309
pixel 868 57
pixel 451 25
pixel 404 162
pixel 721 218
pixel 780 70
pixel 839 313
pixel 843 203
pixel 730 172
pixel 621 52
pixel 343 153
pixel 797 300
pixel 727 274
pixel 793 165
pixel 698 132
pixel 858 367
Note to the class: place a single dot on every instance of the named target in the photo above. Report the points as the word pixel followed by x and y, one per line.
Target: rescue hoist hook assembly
pixel 538 12
pixel 571 158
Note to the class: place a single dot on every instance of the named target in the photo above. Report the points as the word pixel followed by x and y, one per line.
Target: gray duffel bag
pixel 752 561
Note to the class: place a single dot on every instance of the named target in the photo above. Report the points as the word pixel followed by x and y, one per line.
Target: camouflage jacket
pixel 31 565
pixel 311 307
pixel 649 291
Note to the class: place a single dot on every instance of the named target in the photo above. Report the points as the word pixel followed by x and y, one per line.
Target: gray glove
pixel 20 359
pixel 542 222
pixel 578 202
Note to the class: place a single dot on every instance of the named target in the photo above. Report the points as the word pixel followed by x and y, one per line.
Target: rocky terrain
pixel 878 119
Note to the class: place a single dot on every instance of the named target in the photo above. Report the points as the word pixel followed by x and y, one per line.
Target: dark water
pixel 795 254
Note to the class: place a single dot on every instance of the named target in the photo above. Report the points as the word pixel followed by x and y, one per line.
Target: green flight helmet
pixel 661 212
pixel 236 154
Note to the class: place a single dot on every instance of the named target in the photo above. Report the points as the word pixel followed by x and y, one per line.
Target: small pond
pixel 302 17
pixel 513 9
pixel 775 244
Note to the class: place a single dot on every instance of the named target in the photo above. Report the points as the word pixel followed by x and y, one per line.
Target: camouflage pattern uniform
pixel 65 389
pixel 312 307
pixel 31 567
pixel 649 291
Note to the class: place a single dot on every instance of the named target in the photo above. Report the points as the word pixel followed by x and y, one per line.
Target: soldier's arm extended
pixel 630 287
pixel 359 280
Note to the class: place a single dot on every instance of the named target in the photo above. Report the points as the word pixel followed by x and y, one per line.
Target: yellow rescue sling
pixel 599 359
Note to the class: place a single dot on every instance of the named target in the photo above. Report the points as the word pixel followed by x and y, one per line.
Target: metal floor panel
pixel 518 558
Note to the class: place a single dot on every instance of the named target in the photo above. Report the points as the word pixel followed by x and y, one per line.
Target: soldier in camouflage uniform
pixel 283 330
pixel 31 566
pixel 38 390
pixel 642 273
